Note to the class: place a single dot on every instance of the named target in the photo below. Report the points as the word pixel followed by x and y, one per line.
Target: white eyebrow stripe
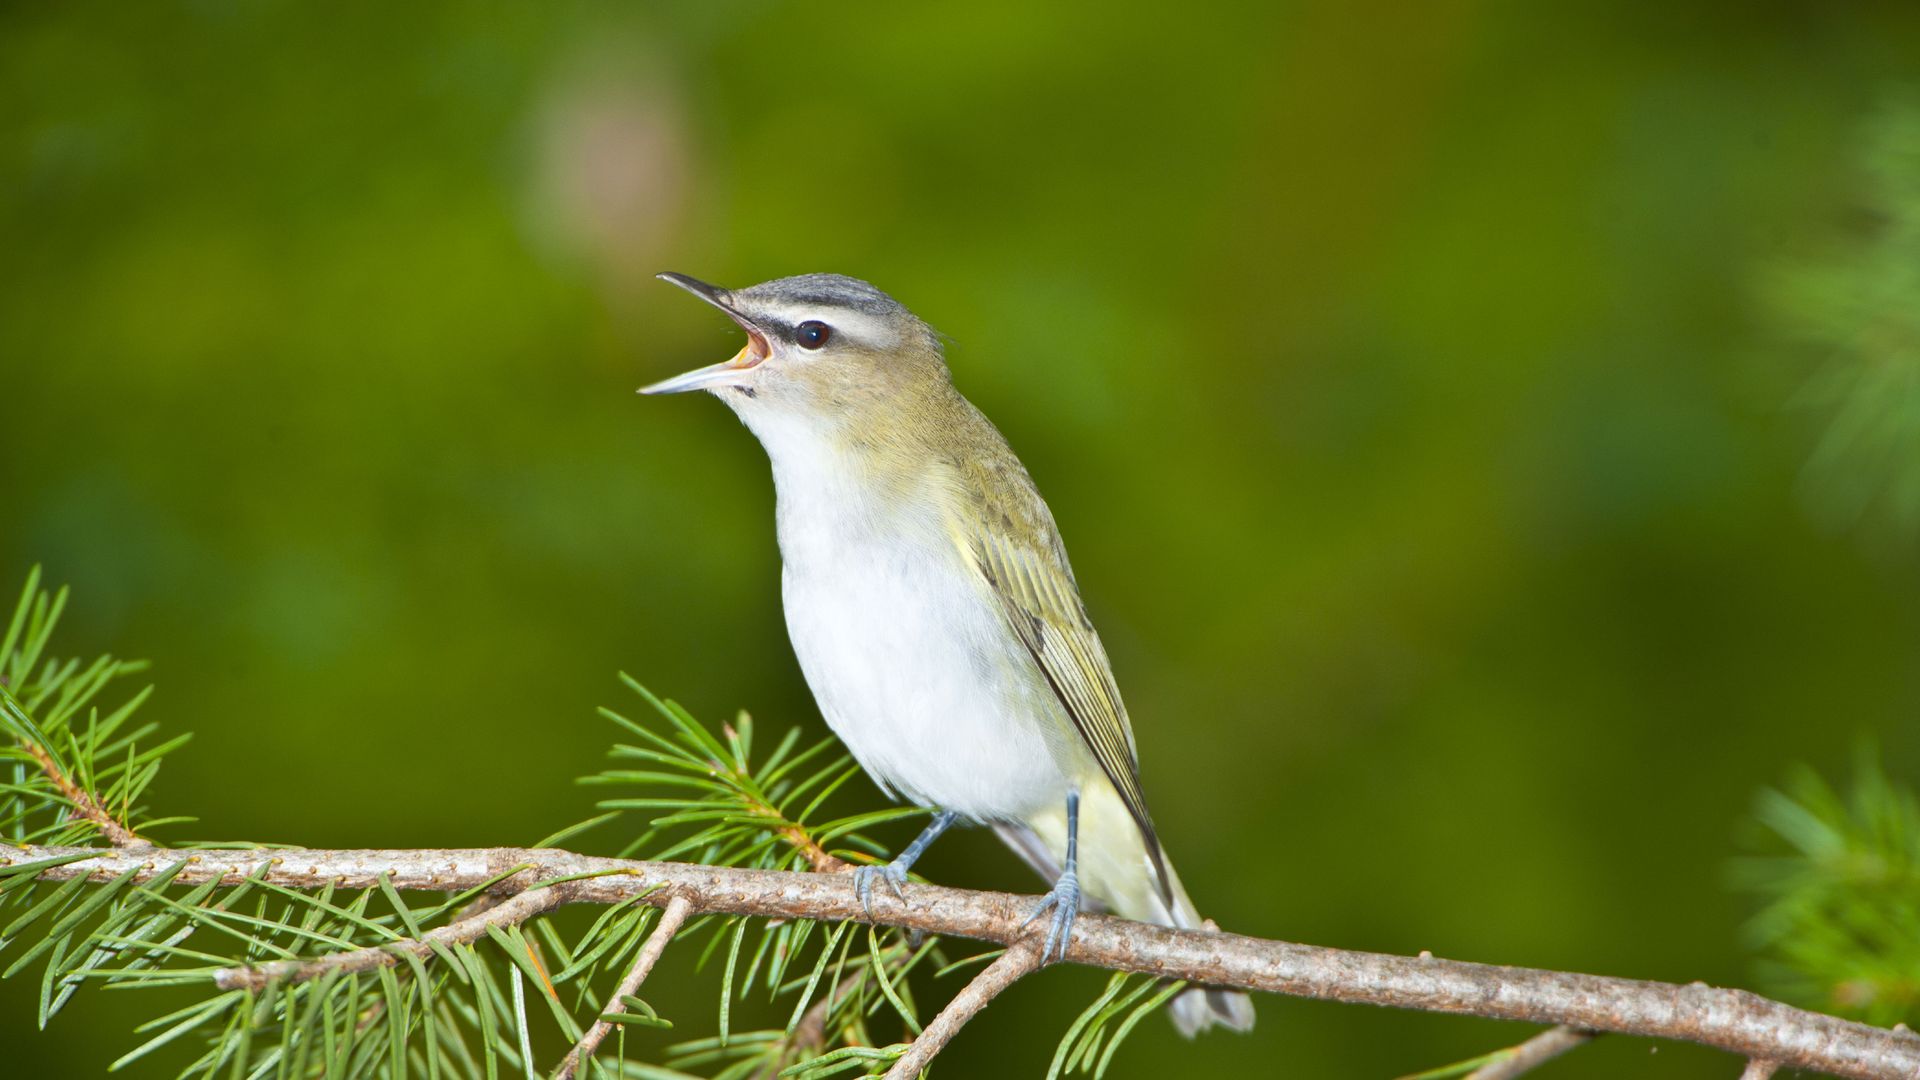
pixel 854 324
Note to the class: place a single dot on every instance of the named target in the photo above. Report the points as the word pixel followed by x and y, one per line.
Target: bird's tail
pixel 1199 1009
pixel 1117 875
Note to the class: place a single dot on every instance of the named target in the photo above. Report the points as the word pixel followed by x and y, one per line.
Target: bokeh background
pixel 1413 385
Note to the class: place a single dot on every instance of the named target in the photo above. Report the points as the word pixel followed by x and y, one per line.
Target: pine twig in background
pixel 1838 877
pixel 1853 314
pixel 809 1036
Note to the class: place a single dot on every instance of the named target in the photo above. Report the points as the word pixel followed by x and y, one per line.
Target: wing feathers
pixel 1036 593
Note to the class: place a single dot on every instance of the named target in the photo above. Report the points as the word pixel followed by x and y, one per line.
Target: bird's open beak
pixel 727 372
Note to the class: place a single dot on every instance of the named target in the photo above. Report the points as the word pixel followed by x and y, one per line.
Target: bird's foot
pixel 1064 899
pixel 893 873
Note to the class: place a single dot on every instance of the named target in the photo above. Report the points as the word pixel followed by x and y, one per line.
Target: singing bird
pixel 932 609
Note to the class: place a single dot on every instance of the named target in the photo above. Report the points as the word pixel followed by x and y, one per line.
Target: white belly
pixel 912 667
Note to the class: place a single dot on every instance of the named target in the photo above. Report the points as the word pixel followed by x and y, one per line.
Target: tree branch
pixel 1005 970
pixel 671 919
pixel 83 803
pixel 1733 1020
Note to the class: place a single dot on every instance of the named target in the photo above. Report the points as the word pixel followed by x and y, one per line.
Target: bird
pixel 932 610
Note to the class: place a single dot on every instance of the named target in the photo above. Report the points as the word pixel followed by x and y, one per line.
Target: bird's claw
pixel 894 874
pixel 1064 899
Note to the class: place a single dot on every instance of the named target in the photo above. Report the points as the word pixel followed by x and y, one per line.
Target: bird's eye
pixel 812 334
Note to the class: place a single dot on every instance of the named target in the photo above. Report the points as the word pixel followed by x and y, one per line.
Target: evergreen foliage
pixel 1839 928
pixel 48 708
pixel 1839 879
pixel 1855 311
pixel 80 768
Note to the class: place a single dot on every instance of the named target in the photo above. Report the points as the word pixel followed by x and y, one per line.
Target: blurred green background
pixel 1403 378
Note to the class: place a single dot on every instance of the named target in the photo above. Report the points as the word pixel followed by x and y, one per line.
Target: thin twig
pixel 671 919
pixel 83 803
pixel 512 911
pixel 1733 1020
pixel 820 859
pixel 1535 1052
pixel 1759 1069
pixel 1005 970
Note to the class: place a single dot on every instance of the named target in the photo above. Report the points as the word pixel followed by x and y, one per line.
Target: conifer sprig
pixel 363 982
pixel 1839 885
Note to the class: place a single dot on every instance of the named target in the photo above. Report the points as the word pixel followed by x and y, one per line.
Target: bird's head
pixel 818 345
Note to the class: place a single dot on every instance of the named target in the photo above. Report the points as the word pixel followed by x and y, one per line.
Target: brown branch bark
pixel 1758 1069
pixel 671 919
pixel 1529 1055
pixel 83 803
pixel 1005 970
pixel 1733 1020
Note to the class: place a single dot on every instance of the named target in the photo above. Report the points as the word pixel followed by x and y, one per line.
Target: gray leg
pixel 1064 897
pixel 895 872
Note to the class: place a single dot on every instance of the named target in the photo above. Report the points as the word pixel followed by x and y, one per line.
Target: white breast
pixel 908 660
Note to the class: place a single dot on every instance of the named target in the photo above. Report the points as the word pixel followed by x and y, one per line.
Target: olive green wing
pixel 1030 580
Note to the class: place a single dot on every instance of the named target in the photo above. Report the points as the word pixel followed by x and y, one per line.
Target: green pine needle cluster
pixel 1856 311
pixel 705 800
pixel 507 1004
pixel 1839 926
pixel 1090 1044
pixel 50 715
